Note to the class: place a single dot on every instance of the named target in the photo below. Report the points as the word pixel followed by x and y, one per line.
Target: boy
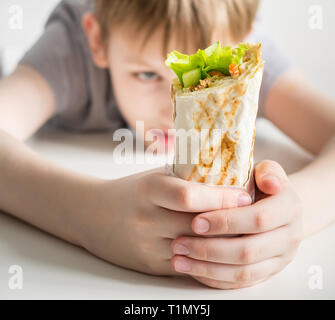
pixel 102 67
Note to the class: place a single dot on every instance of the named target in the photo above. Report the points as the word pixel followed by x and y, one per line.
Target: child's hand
pixel 271 230
pixel 132 221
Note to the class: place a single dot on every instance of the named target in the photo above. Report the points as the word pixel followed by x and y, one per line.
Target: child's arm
pixel 308 117
pixel 39 192
pixel 26 102
pixel 301 111
pixel 31 188
pixel 132 231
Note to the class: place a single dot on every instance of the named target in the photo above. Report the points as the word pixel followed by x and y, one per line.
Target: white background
pixel 287 21
pixel 54 269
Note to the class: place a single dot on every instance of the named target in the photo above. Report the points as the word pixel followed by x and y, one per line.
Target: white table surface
pixel 54 269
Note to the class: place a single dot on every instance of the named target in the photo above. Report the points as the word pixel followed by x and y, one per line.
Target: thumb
pixel 269 176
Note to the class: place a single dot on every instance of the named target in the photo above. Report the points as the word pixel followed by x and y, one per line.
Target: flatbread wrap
pixel 215 104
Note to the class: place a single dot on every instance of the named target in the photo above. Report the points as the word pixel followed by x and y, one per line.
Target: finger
pixel 269 176
pixel 286 259
pixel 227 272
pixel 172 224
pixel 264 215
pixel 225 284
pixel 188 196
pixel 237 250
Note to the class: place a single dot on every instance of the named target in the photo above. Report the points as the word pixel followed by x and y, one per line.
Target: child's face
pixel 141 81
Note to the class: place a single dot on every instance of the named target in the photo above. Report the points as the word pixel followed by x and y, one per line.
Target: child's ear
pixel 93 34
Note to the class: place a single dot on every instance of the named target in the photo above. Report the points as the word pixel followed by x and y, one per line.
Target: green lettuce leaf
pixel 181 63
pixel 214 57
pixel 220 59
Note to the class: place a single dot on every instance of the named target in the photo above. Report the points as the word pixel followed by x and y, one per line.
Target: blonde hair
pixel 190 20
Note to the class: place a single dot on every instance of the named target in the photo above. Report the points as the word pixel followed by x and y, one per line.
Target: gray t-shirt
pixel 84 98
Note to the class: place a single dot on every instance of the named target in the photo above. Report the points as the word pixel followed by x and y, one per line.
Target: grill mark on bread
pixel 212 97
pixel 204 112
pixel 196 118
pixel 225 96
pixel 228 148
pixel 233 181
pixel 202 105
pixel 240 88
pixel 229 115
pixel 212 121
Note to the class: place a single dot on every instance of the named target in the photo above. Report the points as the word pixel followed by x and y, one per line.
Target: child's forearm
pixel 26 102
pixel 40 192
pixel 315 184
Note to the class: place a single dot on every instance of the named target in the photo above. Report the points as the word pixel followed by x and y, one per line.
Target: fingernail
pixel 182 266
pixel 243 200
pixel 201 226
pixel 180 249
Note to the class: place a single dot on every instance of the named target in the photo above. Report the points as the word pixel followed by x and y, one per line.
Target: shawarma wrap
pixel 215 103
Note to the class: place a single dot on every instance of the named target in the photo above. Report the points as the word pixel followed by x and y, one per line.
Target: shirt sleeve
pixel 58 58
pixel 276 61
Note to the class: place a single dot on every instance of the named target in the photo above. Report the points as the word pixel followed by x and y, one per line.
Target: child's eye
pixel 147 76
